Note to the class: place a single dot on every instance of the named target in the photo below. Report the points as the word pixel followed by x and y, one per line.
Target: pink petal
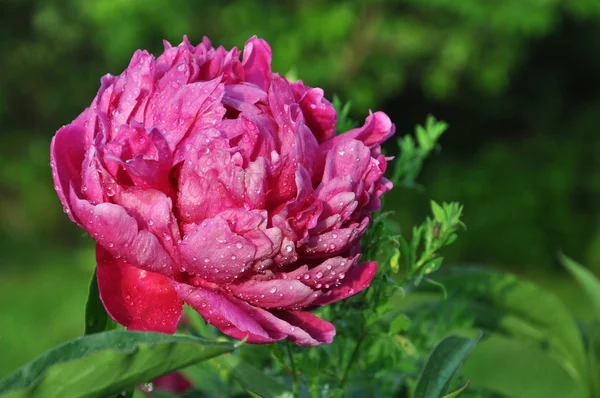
pixel 238 319
pixel 349 157
pixel 233 317
pixel 274 293
pixel 189 108
pixel 216 254
pixel 137 299
pixel 67 152
pixel 329 272
pixel 118 232
pixel 356 280
pixel 153 210
pixel 319 330
pixel 336 241
pixel 319 113
pixel 377 128
pixel 134 85
pixel 257 62
pixel 173 382
pixel 236 95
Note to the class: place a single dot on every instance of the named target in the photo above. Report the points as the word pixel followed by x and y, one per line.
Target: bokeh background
pixel 518 81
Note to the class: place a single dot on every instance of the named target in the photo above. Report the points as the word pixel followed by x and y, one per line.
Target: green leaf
pixel 400 324
pixel 252 379
pixel 519 368
pixel 585 278
pixel 96 318
pixel 443 362
pixel 107 363
pixel 457 392
pixel 438 212
pixel 521 309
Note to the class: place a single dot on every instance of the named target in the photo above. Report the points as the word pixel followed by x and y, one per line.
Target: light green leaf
pixel 252 379
pixel 519 368
pixel 107 363
pixel 585 278
pixel 96 318
pixel 522 309
pixel 400 324
pixel 438 212
pixel 443 362
pixel 457 392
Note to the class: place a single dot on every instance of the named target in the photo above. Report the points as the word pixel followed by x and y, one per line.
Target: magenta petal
pixel 137 299
pixel 237 95
pixel 318 330
pixel 257 62
pixel 377 128
pixel 216 254
pixel 67 152
pixel 329 272
pixel 274 293
pixel 356 280
pixel 350 157
pixel 193 106
pixel 333 242
pixel 118 232
pixel 319 113
pixel 233 317
pixel 173 382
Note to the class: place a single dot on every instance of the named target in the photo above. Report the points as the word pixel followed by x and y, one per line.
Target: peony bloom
pixel 212 181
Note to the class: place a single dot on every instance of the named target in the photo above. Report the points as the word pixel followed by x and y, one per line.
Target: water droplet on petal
pixel 273 289
pixel 319 275
pixel 238 245
pixel 110 244
pixel 306 277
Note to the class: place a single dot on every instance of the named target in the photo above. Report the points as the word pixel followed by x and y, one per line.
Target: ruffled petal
pixel 356 280
pixel 137 299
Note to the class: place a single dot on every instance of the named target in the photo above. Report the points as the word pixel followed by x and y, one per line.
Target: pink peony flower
pixel 214 182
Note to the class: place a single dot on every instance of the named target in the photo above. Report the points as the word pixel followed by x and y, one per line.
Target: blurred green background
pixel 518 82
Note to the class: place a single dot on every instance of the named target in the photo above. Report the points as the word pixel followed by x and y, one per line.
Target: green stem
pixel 293 366
pixel 352 360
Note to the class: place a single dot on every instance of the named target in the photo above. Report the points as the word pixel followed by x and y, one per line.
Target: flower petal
pixel 274 293
pixel 231 316
pixel 137 299
pixel 356 280
pixel 118 232
pixel 215 253
pixel 257 62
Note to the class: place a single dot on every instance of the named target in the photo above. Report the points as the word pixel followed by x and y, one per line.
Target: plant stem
pixel 293 366
pixel 353 358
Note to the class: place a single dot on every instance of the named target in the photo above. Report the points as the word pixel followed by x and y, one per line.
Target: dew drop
pixel 319 275
pixel 238 245
pixel 150 222
pixel 233 257
pixel 306 277
pixel 273 289
pixel 110 244
pixel 289 248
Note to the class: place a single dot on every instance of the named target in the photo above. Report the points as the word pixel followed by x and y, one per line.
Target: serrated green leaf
pixel 442 364
pixel 107 363
pixel 586 279
pixel 253 380
pixel 400 324
pixel 438 212
pixel 96 318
